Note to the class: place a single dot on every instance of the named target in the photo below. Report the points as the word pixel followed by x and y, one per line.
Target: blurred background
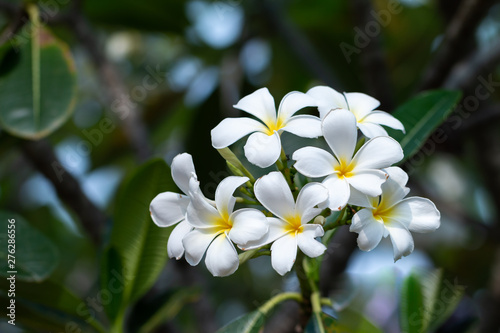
pixel 154 77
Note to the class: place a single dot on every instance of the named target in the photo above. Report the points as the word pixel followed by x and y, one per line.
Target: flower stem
pixel 278 299
pixel 306 290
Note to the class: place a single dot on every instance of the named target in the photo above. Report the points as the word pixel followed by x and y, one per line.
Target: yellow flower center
pixel 224 224
pixel 382 213
pixel 294 224
pixel 344 169
pixel 274 125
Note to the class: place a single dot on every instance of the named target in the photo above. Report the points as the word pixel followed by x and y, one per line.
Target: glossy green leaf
pixel 412 305
pixel 441 296
pixel 38 89
pixel 113 280
pixel 421 116
pixel 34 256
pixel 49 306
pixel 140 244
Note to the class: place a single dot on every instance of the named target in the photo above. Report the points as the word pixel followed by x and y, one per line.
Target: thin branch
pixel 19 19
pixel 335 260
pixel 375 72
pixel 117 94
pixel 298 44
pixel 464 75
pixel 456 42
pixel 42 157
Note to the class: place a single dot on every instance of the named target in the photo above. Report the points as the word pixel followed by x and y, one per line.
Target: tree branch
pixel 43 158
pixel 456 42
pixel 298 44
pixel 118 98
pixel 464 75
pixel 372 58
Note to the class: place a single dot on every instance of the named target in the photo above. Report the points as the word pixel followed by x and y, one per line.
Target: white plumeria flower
pixel 263 147
pixel 290 229
pixel 363 107
pixel 362 172
pixel 217 227
pixel 392 215
pixel 169 208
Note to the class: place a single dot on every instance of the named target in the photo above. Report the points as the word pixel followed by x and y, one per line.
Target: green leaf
pixel 412 305
pixel 140 245
pixel 48 305
pixel 251 322
pixel 440 297
pixel 352 321
pixel 254 321
pixel 112 280
pixel 38 94
pixel 172 304
pixel 421 116
pixel 321 323
pixel 33 254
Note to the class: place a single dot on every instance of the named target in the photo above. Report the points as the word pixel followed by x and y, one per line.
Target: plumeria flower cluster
pixel 288 210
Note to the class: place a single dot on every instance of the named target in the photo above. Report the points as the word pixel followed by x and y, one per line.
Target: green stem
pixel 35 61
pixel 306 290
pixel 246 201
pixel 266 307
pixel 254 253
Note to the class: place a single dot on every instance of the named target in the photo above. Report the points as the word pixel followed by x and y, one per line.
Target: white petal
pixel 222 258
pixel 417 214
pixel 311 195
pixel 196 242
pixel 369 229
pixel 305 126
pixel 307 242
pixel 175 248
pixel 293 102
pixel 314 162
pixel 276 230
pixel 260 104
pixel 368 182
pixel 339 130
pixel 249 225
pixel 262 149
pixel 378 153
pixel 384 118
pixel 182 170
pixel 358 198
pixel 273 192
pixel 168 208
pixel 283 253
pixel 361 104
pixel 327 99
pixel 371 130
pixel 224 199
pixel 200 213
pixel 392 193
pixel 398 175
pixel 338 191
pixel 231 130
pixel 402 241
